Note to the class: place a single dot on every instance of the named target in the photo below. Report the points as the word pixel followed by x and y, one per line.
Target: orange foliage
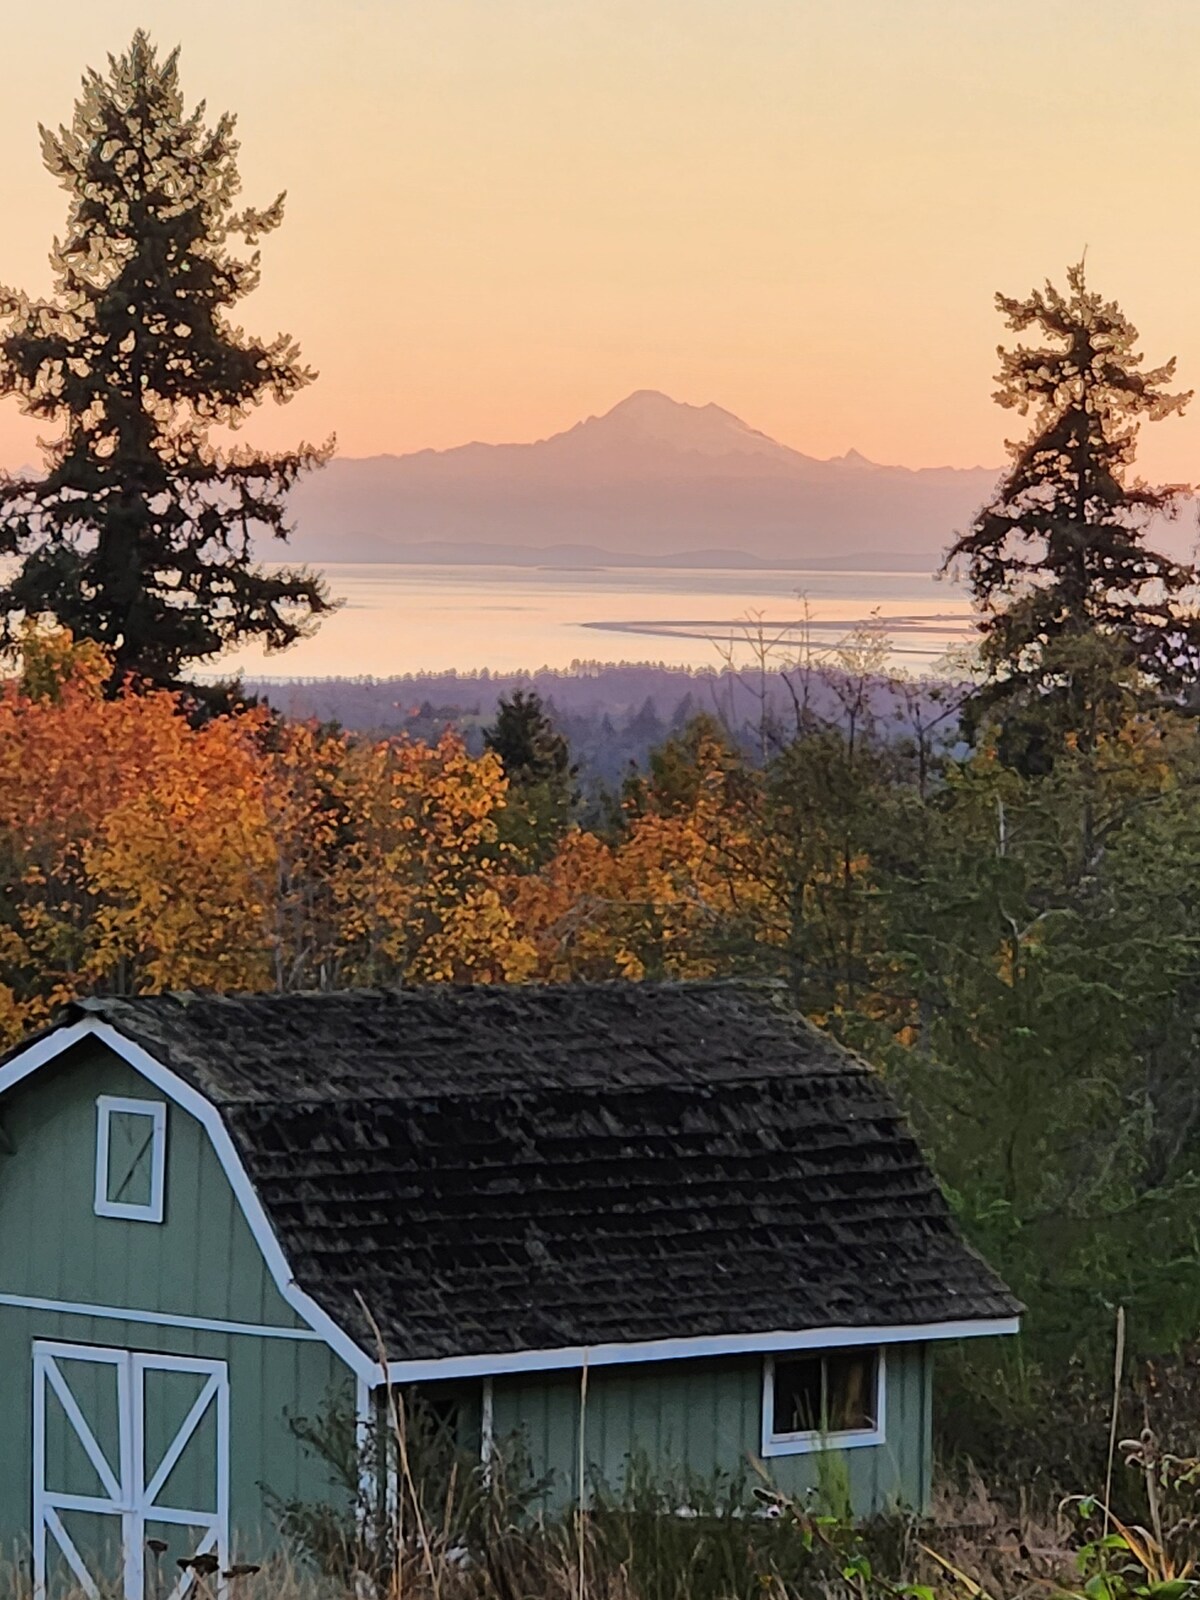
pixel 133 850
pixel 658 902
pixel 140 853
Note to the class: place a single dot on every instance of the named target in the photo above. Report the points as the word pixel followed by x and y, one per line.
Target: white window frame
pixel 815 1439
pixel 156 1111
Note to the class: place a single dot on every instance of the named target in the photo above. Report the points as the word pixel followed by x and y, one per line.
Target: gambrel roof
pixel 525 1169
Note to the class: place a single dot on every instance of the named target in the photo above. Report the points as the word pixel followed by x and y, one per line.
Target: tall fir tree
pixel 541 776
pixel 139 535
pixel 1057 561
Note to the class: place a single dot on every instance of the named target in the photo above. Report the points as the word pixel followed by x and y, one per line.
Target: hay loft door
pixel 130 1471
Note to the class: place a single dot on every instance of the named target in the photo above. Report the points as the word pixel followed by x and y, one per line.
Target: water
pixel 402 619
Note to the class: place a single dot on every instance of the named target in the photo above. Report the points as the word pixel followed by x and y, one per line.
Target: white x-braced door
pixel 130 1452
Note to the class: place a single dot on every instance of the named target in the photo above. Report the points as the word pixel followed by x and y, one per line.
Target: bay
pixel 399 619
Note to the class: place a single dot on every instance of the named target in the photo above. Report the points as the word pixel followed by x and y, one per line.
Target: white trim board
pixel 157 1319
pixel 155 1113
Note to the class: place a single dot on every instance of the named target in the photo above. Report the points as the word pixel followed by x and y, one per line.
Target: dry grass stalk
pixel 1118 1369
pixel 396 1416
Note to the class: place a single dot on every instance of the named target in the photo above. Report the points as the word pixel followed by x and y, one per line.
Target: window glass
pixel 798 1403
pixel 130 1177
pixel 834 1392
pixel 851 1388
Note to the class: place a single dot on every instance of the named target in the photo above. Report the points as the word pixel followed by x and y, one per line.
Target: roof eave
pixel 577 1357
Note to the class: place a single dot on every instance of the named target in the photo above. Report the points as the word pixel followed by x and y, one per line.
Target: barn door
pixel 181 1460
pixel 82 1468
pixel 130 1451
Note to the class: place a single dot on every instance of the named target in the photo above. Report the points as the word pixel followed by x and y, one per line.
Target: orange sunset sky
pixel 506 214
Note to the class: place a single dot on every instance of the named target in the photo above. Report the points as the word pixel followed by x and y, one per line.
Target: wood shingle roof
pixel 529 1168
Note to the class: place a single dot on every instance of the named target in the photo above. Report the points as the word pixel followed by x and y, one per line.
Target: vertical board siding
pixel 702 1419
pixel 201 1261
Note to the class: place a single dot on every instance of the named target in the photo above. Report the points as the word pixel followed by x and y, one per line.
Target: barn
pixel 220 1213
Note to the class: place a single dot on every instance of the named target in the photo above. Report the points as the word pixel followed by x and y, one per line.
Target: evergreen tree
pixel 537 763
pixel 139 534
pixel 679 767
pixel 1058 560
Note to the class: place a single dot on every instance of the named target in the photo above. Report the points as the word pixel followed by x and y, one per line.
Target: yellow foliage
pixel 140 853
pixel 650 905
pixel 414 887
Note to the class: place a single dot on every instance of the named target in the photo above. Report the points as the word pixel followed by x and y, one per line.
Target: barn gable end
pixel 189 1295
pixel 172 1269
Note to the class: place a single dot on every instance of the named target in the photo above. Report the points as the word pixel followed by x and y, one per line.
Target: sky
pixel 505 215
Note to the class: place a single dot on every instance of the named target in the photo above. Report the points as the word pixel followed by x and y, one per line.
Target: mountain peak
pixel 647 417
pixel 646 402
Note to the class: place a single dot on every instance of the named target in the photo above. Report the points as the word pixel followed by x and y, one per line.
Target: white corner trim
pixel 364 1438
pixel 206 1114
pixel 813 1440
pixel 154 1112
pixel 779 1341
pixel 487 1425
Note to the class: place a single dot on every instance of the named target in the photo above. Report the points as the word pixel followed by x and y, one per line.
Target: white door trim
pixel 215 1391
pixel 129 1496
pixel 46 1502
pixel 91 1448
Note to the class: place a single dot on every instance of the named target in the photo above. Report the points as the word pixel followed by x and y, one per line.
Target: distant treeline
pixel 613 716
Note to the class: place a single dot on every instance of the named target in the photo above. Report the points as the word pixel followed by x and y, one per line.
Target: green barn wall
pixel 705 1417
pixel 201 1261
pixel 65 1252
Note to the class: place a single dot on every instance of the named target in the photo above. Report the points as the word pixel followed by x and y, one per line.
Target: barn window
pixel 131 1158
pixel 819 1397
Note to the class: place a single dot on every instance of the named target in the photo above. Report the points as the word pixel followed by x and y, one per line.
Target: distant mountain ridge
pixel 653 480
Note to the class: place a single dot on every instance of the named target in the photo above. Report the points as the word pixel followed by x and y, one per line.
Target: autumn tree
pixel 141 851
pixel 660 900
pixel 392 872
pixel 135 852
pixel 138 535
pixel 1059 555
pixel 679 768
